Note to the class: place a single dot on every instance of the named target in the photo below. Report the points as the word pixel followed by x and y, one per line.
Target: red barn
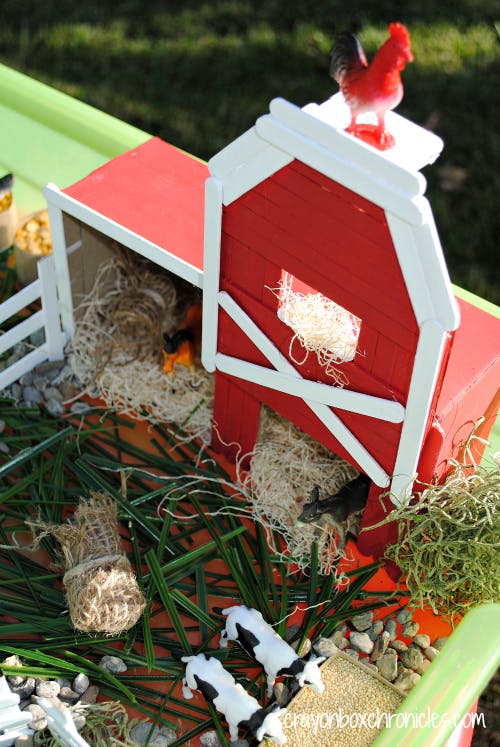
pixel 297 195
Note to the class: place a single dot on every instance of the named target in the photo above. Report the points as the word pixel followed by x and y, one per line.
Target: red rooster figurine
pixel 374 87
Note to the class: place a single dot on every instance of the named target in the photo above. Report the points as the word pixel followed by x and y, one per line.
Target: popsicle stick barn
pixel 296 203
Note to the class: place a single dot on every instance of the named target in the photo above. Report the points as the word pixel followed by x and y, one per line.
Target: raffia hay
pixel 101 589
pixel 321 326
pixel 286 465
pixel 116 349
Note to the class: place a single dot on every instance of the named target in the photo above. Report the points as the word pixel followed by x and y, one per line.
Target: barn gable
pixel 295 194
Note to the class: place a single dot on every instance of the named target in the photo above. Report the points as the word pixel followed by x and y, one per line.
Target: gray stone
pixel 51 392
pixel 89 697
pixel 361 642
pixel 16 391
pixel 13 661
pixel 387 666
pixel 62 682
pixel 47 688
pixel 391 628
pixel 439 642
pixel 431 652
pixel 325 647
pixel 65 372
pixel 24 740
pixel 79 408
pixel 372 667
pixel 281 693
pixel 26 379
pixel 342 629
pixel 422 640
pixel 49 369
pixel 424 666
pixel 406 681
pixel 401 668
pixel 79 720
pixel 167 733
pixel 399 646
pixel 352 653
pixel 25 688
pixel 337 637
pixel 37 338
pixel 67 695
pixel 69 390
pixel 412 658
pixel 210 739
pixel 38 720
pixel 404 616
pixel 4 448
pixel 80 683
pixel 140 733
pixel 113 664
pixel 54 407
pixel 376 630
pixel 363 621
pixel 31 395
pixel 40 382
pixel 410 629
pixel 380 646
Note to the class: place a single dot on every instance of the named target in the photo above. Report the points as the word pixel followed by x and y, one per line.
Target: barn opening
pixel 137 338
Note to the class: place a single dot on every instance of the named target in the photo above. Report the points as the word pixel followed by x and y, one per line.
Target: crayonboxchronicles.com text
pixel 378 719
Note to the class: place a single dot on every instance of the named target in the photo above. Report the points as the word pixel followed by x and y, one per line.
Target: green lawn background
pixel 198 74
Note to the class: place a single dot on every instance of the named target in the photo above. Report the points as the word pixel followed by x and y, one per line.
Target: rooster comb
pixel 400 33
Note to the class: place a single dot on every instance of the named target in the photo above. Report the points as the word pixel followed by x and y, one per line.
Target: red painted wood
pixel 369 245
pixel 290 252
pixel 157 191
pixel 469 389
pixel 235 421
pixel 236 343
pixel 331 198
pixel 379 437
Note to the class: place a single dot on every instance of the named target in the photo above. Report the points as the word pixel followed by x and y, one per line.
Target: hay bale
pixel 101 589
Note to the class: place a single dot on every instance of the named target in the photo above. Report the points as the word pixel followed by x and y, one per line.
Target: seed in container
pixel 6 183
pixel 34 236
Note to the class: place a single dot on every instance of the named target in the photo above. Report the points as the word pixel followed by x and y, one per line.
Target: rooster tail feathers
pixel 347 55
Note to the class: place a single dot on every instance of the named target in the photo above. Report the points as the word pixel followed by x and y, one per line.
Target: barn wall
pixel 338 243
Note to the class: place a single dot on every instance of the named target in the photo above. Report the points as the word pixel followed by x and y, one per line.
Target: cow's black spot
pixel 296 667
pixel 255 721
pixel 208 690
pixel 246 639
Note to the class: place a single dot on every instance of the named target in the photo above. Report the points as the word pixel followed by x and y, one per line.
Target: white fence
pixel 47 318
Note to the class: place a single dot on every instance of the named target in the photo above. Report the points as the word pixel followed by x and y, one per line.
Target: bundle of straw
pixel 101 589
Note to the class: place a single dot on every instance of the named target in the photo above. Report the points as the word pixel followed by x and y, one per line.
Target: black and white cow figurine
pixel 241 710
pixel 258 639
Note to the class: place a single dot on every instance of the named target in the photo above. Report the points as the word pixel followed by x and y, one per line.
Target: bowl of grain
pixel 354 708
pixel 32 241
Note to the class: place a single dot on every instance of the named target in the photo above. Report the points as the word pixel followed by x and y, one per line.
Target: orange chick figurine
pixel 184 345
pixel 374 87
